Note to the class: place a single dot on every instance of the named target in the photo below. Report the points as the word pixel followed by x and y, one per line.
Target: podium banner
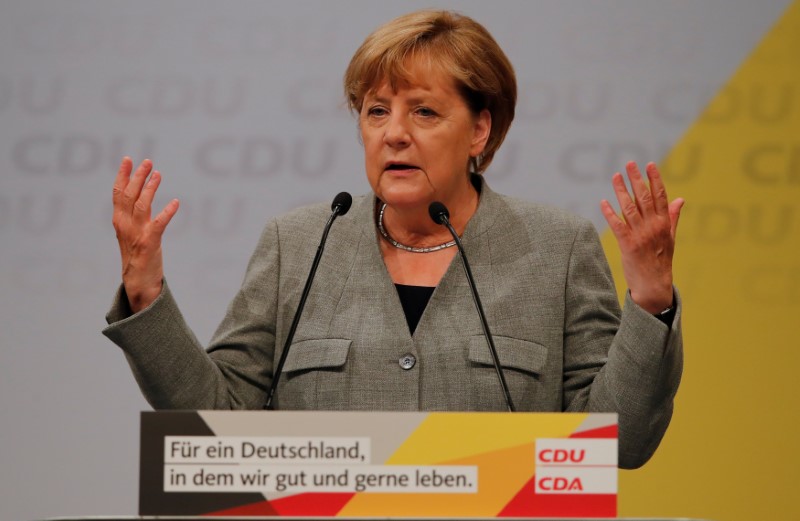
pixel 378 464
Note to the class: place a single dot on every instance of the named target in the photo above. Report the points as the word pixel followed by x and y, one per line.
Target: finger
pixel 657 188
pixel 644 199
pixel 626 204
pixel 134 188
pixel 674 210
pixel 165 216
pixel 121 181
pixel 617 225
pixel 143 205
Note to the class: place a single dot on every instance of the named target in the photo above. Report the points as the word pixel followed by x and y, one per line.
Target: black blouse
pixel 414 299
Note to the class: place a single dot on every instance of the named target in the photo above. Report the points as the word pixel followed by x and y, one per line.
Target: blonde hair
pixel 458 46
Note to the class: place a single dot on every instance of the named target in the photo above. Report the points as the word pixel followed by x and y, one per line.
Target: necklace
pixel 401 246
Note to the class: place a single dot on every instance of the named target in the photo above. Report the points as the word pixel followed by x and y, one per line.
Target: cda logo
pixel 558 484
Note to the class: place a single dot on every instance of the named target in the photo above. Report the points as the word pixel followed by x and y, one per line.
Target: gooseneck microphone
pixel 340 206
pixel 440 215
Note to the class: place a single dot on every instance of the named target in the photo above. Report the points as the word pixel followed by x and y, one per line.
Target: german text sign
pixel 378 464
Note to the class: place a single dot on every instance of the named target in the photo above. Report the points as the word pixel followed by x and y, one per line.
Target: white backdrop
pixel 239 104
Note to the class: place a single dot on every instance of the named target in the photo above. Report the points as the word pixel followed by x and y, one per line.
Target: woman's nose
pixel 397 133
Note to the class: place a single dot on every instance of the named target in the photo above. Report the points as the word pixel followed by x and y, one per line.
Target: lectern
pixel 378 464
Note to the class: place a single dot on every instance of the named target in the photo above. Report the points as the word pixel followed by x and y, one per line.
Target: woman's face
pixel 418 140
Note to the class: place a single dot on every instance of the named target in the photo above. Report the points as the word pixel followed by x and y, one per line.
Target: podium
pixel 421 465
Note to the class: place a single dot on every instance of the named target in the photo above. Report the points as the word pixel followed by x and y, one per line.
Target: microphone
pixel 340 206
pixel 341 203
pixel 440 215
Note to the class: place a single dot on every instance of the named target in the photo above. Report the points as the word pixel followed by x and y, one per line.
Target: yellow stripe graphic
pixel 731 452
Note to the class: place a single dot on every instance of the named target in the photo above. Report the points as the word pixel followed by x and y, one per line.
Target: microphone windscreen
pixel 343 200
pixel 438 212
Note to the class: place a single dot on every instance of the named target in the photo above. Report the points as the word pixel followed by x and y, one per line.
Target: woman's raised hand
pixel 646 235
pixel 138 234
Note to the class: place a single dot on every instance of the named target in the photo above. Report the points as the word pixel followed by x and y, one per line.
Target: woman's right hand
pixel 138 235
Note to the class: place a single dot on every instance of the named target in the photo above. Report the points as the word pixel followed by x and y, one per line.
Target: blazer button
pixel 408 361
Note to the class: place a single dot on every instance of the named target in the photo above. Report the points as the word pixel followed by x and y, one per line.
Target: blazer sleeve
pixel 169 363
pixel 629 362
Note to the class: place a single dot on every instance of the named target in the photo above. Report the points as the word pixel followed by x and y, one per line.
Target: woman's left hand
pixel 646 236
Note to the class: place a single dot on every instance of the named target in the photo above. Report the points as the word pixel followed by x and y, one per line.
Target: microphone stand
pixel 440 215
pixel 341 204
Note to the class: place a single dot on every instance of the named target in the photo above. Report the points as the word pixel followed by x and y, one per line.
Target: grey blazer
pixel 546 288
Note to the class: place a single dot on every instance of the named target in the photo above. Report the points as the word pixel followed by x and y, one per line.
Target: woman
pixel 435 96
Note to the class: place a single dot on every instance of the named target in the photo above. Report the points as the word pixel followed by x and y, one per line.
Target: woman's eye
pixel 426 112
pixel 376 111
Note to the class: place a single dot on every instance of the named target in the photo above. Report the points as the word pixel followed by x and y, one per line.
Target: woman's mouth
pixel 400 168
